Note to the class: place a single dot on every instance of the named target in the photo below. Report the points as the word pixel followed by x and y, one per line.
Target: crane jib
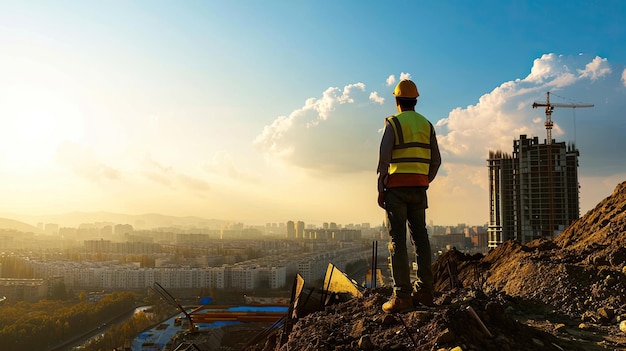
pixel 549 108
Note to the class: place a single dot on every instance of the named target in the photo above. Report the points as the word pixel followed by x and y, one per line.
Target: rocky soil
pixel 568 293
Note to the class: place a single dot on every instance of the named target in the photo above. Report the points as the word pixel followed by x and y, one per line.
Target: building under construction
pixel 533 192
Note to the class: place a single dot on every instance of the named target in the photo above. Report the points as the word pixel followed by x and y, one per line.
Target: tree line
pixel 40 325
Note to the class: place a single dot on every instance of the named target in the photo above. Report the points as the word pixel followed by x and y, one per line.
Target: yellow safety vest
pixel 411 150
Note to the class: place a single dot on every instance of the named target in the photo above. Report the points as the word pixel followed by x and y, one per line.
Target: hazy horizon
pixel 76 218
pixel 268 112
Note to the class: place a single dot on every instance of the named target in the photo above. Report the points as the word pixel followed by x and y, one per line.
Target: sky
pixel 269 111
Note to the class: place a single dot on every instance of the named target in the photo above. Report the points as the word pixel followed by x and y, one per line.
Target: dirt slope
pixel 563 294
pixel 579 272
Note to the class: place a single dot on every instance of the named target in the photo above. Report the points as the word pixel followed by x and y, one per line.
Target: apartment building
pixel 31 290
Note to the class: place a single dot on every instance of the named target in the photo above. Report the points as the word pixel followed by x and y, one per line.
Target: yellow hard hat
pixel 406 89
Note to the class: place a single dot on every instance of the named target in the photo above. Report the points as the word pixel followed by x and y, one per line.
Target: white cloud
pixel 334 131
pixel 542 68
pixel 376 98
pixel 167 176
pixel 466 135
pixel 157 172
pixel 500 116
pixel 391 80
pixel 562 80
pixel 223 164
pixel 595 69
pixel 469 133
pixel 84 162
pixel 340 131
pixel 337 132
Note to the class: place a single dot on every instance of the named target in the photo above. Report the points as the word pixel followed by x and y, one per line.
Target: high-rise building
pixel 533 192
pixel 299 230
pixel 291 230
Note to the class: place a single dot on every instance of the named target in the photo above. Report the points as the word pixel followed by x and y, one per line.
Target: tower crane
pixel 550 170
pixel 549 108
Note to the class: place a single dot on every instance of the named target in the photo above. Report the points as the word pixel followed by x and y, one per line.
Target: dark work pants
pixel 408 205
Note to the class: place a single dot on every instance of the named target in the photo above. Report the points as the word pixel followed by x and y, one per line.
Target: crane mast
pixel 549 108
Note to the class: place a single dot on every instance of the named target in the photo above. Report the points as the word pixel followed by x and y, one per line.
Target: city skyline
pixel 52 224
pixel 266 112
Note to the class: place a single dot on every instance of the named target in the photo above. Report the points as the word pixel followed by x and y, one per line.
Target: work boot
pixel 398 304
pixel 423 297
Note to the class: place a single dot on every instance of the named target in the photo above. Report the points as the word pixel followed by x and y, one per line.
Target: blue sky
pixel 272 111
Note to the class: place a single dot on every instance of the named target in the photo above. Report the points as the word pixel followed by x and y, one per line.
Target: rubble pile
pixel 568 293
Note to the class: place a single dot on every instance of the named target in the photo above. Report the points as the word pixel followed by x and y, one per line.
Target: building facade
pixel 291 230
pixel 31 290
pixel 533 192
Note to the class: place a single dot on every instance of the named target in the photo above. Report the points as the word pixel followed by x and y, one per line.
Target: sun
pixel 35 121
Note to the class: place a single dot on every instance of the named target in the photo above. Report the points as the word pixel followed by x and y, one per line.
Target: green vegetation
pixel 37 326
pixel 122 334
pixel 119 335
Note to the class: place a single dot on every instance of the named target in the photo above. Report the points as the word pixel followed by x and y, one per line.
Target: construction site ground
pixel 567 293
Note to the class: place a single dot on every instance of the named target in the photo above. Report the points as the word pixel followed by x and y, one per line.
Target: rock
pixel 588 316
pixel 559 327
pixel 622 326
pixel 600 261
pixel 606 314
pixel 423 316
pixel 365 343
pixel 618 258
pixel 445 337
pixel 387 319
pixel 458 348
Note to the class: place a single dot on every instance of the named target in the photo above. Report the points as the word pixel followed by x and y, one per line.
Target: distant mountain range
pixel 74 219
pixel 17 225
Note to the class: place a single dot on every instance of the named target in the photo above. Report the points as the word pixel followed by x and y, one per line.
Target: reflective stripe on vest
pixel 411 150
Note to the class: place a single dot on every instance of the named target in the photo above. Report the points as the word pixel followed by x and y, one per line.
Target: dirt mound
pixel 359 324
pixel 600 226
pixel 563 294
pixel 463 319
pixel 579 272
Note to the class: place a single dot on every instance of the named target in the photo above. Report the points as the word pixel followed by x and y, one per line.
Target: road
pixel 83 339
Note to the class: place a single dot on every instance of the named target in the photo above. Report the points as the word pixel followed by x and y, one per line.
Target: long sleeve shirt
pixel 384 157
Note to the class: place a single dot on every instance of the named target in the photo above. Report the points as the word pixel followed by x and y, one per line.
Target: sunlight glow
pixel 37 121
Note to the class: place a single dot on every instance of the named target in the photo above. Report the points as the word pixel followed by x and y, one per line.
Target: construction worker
pixel 408 162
